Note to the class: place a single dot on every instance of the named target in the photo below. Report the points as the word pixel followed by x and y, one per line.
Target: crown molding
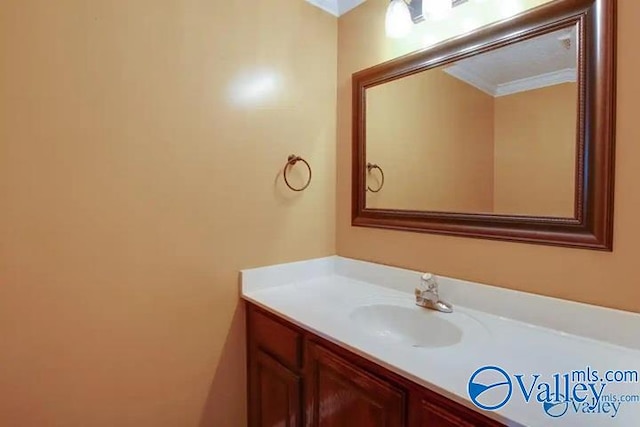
pixel 336 7
pixel 329 6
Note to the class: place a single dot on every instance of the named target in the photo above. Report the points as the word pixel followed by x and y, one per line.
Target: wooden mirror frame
pixel 592 228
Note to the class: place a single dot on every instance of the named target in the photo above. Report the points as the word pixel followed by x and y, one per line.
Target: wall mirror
pixel 505 133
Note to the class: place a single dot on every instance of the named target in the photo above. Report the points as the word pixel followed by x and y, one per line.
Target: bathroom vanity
pixel 340 342
pixel 298 378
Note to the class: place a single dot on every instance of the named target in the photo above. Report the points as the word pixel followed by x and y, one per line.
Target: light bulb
pixel 398 22
pixel 436 9
pixel 509 9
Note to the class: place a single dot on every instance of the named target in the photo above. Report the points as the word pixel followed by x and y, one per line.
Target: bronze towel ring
pixel 370 167
pixel 293 159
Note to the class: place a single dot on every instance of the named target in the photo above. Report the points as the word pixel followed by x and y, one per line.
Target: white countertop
pixel 558 336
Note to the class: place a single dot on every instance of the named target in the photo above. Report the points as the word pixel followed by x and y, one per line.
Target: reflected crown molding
pixel 552 78
pixel 568 75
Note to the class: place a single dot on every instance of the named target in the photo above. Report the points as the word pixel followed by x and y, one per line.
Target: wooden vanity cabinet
pixel 298 379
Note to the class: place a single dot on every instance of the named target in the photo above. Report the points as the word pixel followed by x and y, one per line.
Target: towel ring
pixel 292 160
pixel 370 167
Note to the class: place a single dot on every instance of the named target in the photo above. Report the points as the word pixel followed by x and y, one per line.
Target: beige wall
pixel 140 144
pixel 430 161
pixel 608 279
pixel 535 152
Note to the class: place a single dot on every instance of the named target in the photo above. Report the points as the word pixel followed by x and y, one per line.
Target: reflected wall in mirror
pixel 504 133
pixel 494 133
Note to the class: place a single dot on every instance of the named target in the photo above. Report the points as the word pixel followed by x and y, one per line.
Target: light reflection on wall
pixel 254 88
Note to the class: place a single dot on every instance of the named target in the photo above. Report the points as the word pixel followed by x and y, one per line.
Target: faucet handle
pixel 429 281
pixel 427 294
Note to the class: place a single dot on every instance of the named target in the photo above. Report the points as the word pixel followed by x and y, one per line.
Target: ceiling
pixel 336 7
pixel 539 62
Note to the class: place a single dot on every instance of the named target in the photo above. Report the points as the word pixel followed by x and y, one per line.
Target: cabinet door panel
pixel 275 392
pixel 341 395
pixel 435 411
pixel 435 416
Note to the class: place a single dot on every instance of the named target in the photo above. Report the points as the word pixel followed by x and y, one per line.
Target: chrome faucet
pixel 427 295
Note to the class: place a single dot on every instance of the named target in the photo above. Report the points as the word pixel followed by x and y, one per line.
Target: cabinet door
pixel 274 393
pixel 340 394
pixel 436 411
pixel 432 415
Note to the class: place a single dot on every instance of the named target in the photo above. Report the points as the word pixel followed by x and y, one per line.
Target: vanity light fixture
pixel 398 20
pixel 437 9
pixel 401 14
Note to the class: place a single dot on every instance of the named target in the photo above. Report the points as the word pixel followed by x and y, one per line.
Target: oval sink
pixel 417 326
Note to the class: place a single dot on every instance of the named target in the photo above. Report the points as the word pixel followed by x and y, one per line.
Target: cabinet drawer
pixel 275 338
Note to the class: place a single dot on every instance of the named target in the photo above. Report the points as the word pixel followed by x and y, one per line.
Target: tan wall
pixel 140 143
pixel 535 149
pixel 430 161
pixel 561 272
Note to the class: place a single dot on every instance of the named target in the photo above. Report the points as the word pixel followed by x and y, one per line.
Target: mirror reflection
pixel 493 133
